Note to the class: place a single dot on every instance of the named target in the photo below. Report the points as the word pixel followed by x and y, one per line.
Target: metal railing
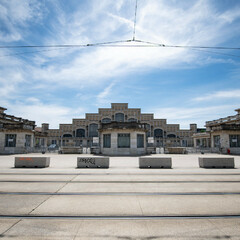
pixel 223 120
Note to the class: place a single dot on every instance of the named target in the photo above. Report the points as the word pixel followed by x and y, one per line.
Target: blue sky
pixel 183 85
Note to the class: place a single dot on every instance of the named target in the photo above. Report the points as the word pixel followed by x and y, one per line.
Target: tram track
pixel 121 193
pixel 118 217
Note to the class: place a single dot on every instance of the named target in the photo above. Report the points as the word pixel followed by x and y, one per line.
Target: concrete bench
pixel 216 162
pixel 32 162
pixel 93 162
pixel 155 162
pixel 176 150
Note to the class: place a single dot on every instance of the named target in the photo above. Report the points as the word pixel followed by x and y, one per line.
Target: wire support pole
pixel 135 21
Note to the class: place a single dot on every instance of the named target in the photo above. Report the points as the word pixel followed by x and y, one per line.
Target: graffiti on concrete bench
pixel 25 159
pixel 87 160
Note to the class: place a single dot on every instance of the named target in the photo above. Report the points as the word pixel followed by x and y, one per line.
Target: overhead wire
pixel 119 43
pixel 21 53
pixel 112 44
pixel 147 45
pixel 219 53
pixel 63 45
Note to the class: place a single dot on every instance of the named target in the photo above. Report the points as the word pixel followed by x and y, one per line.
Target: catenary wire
pixel 37 51
pixel 117 44
pixel 219 53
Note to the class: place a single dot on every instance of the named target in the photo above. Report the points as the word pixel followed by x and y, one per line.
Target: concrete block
pixel 155 162
pixel 31 162
pixel 216 162
pixel 93 162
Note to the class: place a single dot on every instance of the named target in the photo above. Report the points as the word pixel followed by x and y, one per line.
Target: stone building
pixel 18 135
pixel 120 130
pixel 222 135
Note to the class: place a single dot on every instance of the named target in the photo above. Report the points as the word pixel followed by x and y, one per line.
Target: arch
pixel 132 120
pixel 158 133
pixel 67 135
pixel 171 135
pixel 80 132
pixel 106 120
pixel 93 130
pixel 119 117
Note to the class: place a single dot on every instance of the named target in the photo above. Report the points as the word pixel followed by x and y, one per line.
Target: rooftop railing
pixel 16 119
pixel 223 120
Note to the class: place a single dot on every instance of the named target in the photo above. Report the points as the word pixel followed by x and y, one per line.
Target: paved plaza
pixel 122 202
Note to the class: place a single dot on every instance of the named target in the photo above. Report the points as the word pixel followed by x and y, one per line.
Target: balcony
pixel 123 125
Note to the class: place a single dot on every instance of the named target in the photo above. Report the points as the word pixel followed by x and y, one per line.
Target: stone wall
pixel 20 143
pixel 224 142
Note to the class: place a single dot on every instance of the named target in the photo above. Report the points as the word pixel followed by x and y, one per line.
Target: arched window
pixel 67 135
pixel 132 120
pixel 106 120
pixel 93 130
pixel 119 117
pixel 171 135
pixel 158 133
pixel 80 132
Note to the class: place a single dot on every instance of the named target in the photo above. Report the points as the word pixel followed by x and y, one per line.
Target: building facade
pixel 18 135
pixel 222 135
pixel 120 125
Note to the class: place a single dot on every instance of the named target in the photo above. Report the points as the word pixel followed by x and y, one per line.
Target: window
pixel 27 140
pixel 140 140
pixel 67 135
pixel 124 140
pixel 80 132
pixel 106 120
pixel 10 140
pixel 171 135
pixel 184 143
pixel 216 140
pixel 132 120
pixel 158 133
pixel 234 140
pixel 93 130
pixel 119 117
pixel 106 140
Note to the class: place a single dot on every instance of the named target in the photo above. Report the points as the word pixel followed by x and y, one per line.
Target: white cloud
pixel 15 16
pixel 197 24
pixel 219 95
pixel 103 97
pixel 186 115
pixel 45 113
pixel 231 15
